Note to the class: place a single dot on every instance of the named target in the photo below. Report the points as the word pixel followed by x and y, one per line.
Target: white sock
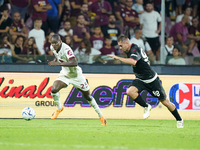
pixel 95 106
pixel 56 98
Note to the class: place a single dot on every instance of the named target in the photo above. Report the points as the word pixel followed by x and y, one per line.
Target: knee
pixel 133 92
pixel 165 102
pixel 54 90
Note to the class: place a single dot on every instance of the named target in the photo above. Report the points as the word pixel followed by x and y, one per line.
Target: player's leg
pixel 158 91
pixel 171 107
pixel 57 85
pixel 133 91
pixel 92 102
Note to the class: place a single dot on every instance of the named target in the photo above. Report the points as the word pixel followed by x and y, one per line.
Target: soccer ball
pixel 28 113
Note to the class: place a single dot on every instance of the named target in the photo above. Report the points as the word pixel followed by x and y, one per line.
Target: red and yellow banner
pixel 20 90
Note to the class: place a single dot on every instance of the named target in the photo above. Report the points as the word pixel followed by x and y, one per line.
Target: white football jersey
pixel 64 55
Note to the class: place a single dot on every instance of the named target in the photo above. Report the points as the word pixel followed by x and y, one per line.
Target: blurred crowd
pixel 91 29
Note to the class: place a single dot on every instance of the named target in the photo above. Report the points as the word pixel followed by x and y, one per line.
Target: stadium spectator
pixel 91 1
pixel 169 46
pixel 196 61
pixel 108 48
pixel 187 12
pixel 143 44
pixel 85 53
pixel 19 6
pixel 66 11
pixel 47 44
pixel 102 9
pixel 17 27
pixel 97 39
pixel 17 49
pixel 150 22
pixel 179 6
pixel 38 34
pixel 80 31
pixel 67 30
pixel 5 20
pixel 119 11
pixel 84 11
pixel 194 31
pixel 138 7
pixel 113 3
pixel 176 60
pixel 75 10
pixel 40 8
pixel 54 14
pixel 131 19
pixel 181 37
pixel 30 49
pixel 112 30
pixel 6 49
pixel 68 40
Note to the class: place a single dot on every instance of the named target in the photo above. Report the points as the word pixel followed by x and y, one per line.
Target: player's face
pixel 55 43
pixel 124 46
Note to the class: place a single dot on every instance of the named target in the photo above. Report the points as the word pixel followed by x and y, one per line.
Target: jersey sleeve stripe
pixel 72 57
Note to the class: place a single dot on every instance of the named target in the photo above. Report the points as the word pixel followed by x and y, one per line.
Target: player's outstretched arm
pixel 71 63
pixel 129 61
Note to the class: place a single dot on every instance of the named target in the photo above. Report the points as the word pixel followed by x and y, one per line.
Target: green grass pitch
pixel 86 134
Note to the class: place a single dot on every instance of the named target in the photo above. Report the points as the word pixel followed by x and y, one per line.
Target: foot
pixel 180 124
pixel 103 120
pixel 56 113
pixel 146 111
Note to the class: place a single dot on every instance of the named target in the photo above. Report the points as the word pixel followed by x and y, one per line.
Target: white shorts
pixel 78 82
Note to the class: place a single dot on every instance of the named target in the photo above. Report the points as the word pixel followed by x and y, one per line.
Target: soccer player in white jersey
pixel 71 73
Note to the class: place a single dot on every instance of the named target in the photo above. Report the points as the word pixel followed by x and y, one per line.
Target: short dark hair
pixel 97 26
pixel 38 18
pixel 107 37
pixel 80 15
pixel 137 29
pixel 56 37
pixel 3 8
pixel 122 38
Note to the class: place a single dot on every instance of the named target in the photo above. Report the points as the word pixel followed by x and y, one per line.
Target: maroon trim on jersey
pixel 72 57
pixel 133 59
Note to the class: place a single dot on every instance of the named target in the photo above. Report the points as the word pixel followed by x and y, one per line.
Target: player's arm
pixel 74 6
pixel 129 61
pixel 76 39
pixel 71 63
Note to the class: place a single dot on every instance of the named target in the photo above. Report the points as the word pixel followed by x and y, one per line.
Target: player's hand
pixel 112 56
pixel 53 63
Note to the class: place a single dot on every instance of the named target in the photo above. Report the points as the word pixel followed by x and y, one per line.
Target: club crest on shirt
pixel 69 52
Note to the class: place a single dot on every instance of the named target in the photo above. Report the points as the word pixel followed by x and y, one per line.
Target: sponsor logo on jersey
pixel 185 96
